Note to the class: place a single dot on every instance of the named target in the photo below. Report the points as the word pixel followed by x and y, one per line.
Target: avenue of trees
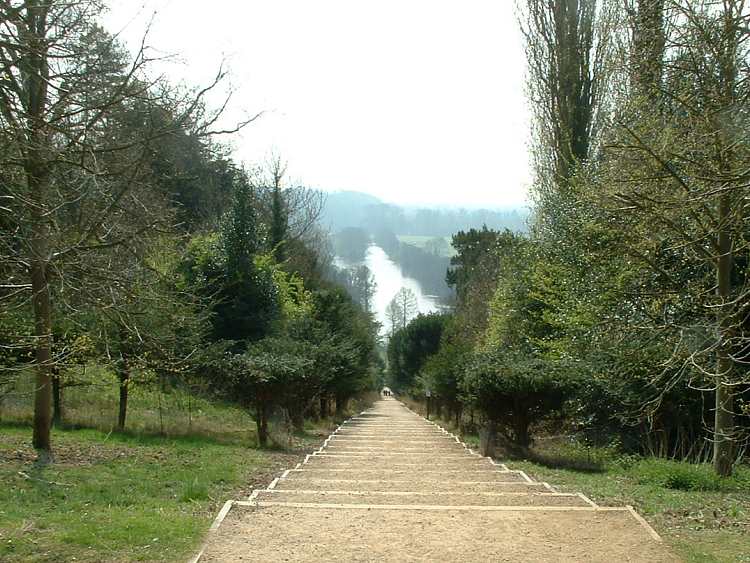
pixel 130 239
pixel 624 310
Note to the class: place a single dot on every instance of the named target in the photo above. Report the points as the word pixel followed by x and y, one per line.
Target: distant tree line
pixel 353 209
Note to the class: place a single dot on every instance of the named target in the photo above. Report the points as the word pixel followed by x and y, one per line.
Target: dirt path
pixel 390 486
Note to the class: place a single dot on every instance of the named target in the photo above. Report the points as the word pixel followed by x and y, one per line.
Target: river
pixel 389 279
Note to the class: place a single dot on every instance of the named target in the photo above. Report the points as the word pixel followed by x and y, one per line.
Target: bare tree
pixel 292 211
pixel 402 308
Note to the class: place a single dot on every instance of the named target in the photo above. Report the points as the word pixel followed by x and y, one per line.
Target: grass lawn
pixel 91 401
pixel 114 497
pixel 704 518
pixel 148 494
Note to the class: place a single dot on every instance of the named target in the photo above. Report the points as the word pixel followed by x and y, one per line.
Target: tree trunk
pixel 520 426
pixel 123 372
pixel 37 173
pixel 724 408
pixel 340 406
pixel 648 48
pixel 57 407
pixel 488 438
pixel 323 407
pixel 42 331
pixel 298 419
pixel 728 204
pixel 261 422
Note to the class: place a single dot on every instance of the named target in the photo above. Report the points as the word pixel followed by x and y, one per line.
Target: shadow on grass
pixel 553 460
pixel 303 441
pixel 145 438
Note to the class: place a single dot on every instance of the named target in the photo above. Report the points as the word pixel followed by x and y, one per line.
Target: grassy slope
pixel 120 497
pixel 709 525
pixel 93 402
pixel 128 497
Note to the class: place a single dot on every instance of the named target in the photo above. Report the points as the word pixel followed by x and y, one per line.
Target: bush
pixel 685 476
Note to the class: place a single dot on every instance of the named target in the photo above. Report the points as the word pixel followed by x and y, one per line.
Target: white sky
pixel 414 101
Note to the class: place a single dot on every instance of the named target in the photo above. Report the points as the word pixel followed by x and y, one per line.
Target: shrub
pixel 685 476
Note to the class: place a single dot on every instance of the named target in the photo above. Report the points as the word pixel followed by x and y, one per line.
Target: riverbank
pixel 389 278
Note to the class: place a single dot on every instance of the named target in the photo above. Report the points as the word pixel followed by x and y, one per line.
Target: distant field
pixel 439 245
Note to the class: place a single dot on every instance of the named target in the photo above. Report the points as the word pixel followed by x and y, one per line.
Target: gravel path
pixel 390 486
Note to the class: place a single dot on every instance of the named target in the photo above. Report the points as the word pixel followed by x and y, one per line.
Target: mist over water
pixel 389 279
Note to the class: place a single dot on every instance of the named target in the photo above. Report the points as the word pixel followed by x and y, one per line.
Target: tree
pixel 473 277
pixel 279 227
pixel 569 46
pixel 52 85
pixel 514 377
pixel 355 334
pixel 351 244
pixel 291 212
pixel 643 237
pixel 688 193
pixel 153 324
pixel 364 285
pixel 402 308
pixel 78 118
pixel 648 47
pixel 410 347
pixel 229 269
pixel 443 370
pixel 265 374
pixel 513 390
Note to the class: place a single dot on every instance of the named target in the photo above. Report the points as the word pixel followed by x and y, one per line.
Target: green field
pixel 438 245
pixel 118 497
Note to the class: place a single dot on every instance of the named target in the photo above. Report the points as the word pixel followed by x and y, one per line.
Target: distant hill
pixel 355 209
pixel 346 209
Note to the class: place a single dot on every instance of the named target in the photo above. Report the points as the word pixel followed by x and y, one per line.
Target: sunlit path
pixel 390 486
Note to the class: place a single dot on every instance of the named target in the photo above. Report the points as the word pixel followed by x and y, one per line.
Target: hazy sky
pixel 415 101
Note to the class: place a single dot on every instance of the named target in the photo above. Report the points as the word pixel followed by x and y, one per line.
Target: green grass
pixel 122 497
pixel 93 403
pixel 148 494
pixel 703 517
pixel 114 497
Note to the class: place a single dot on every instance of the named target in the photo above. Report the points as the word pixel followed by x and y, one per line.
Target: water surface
pixel 389 279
